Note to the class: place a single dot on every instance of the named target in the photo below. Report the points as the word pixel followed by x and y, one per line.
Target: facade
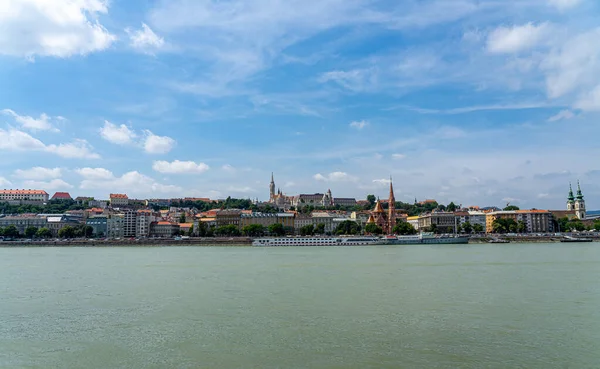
pixel 99 223
pixel 360 217
pixel 473 217
pixel 277 198
pixel 115 225
pixel 302 200
pixel 98 204
pixel 142 223
pixel 118 199
pixel 267 219
pixel 23 195
pixel 385 219
pixel 23 222
pixel 341 201
pixel 57 222
pixel 228 217
pixel 444 222
pixel 129 223
pixel 325 219
pixel 536 221
pixel 413 221
pixel 164 229
pixel 491 217
pixel 61 196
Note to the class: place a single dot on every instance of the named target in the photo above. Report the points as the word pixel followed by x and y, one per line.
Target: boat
pixel 425 239
pixel 576 239
pixel 498 240
pixel 316 241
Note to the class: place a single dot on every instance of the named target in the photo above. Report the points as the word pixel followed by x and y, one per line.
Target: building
pixel 385 220
pixel 536 221
pixel 277 198
pixel 267 219
pixel 472 217
pixel 115 225
pixel 324 218
pixel 443 222
pixel 576 203
pixel 23 195
pixel 228 217
pixel 503 214
pixel 344 201
pixel 129 223
pixel 142 223
pixel 98 204
pixel 413 221
pixel 23 222
pixel 118 199
pixel 61 196
pixel 360 217
pixel 81 200
pixel 99 224
pixel 164 229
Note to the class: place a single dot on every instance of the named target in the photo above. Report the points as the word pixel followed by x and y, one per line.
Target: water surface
pixel 469 306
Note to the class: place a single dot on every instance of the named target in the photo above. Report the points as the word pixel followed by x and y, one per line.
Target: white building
pixel 114 226
pixel 25 195
pixel 142 223
pixel 324 218
pixel 118 199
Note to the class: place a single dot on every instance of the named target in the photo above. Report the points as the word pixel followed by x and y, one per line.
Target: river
pixel 468 306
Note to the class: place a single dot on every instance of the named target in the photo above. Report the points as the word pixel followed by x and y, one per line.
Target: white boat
pixel 316 241
pixel 424 238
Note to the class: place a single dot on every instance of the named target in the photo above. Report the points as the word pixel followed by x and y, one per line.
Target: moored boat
pixel 576 239
pixel 316 241
pixel 425 239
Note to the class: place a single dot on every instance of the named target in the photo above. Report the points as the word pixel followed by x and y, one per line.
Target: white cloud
pixel 516 38
pixel 562 115
pixel 542 195
pixel 55 184
pixel 241 190
pixel 335 177
pixel 359 124
pixel 398 156
pixel 381 182
pixel 59 28
pixel 40 124
pixel 120 135
pixel 78 149
pixel 145 39
pixel 590 101
pixel 4 182
pixel 356 80
pixel 228 168
pixel 154 144
pixel 179 167
pixel 95 173
pixel 38 173
pixel 564 4
pixel 132 183
pixel 15 140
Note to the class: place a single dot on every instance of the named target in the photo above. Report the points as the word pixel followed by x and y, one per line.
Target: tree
pixel 451 207
pixel 307 230
pixel 502 225
pixel 521 226
pixel 347 227
pixel 11 232
pixel 191 231
pixel 477 228
pixel 575 225
pixel 404 228
pixel 433 228
pixel 30 231
pixel 597 225
pixel 276 229
pixel 182 218
pixel 467 227
pixel 320 228
pixel 227 230
pixel 44 233
pixel 253 230
pixel 66 232
pixel 371 199
pixel 511 207
pixel 372 228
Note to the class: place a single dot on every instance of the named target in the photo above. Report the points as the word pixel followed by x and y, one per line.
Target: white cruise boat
pixel 316 241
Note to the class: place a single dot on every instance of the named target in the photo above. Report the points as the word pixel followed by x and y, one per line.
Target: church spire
pixel 392 198
pixel 579 193
pixel 571 197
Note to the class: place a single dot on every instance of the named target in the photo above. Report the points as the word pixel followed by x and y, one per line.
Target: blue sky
pixel 477 102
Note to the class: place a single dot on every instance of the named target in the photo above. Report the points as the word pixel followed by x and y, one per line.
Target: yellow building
pixel 491 217
pixel 267 219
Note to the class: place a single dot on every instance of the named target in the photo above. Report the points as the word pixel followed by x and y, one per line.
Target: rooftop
pixel 118 196
pixel 61 196
pixel 23 192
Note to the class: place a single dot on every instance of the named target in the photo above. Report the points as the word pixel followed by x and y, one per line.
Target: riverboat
pixel 575 239
pixel 316 241
pixel 425 239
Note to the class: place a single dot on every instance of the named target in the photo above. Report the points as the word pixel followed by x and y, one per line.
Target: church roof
pixel 378 208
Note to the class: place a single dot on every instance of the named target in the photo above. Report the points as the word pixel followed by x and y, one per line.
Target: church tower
pixel 579 203
pixel 571 199
pixel 272 189
pixel 391 209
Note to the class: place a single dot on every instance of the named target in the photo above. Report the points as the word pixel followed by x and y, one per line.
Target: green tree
pixel 191 231
pixel 87 231
pixel 66 232
pixel 575 225
pixel 404 228
pixel 433 228
pixel 44 233
pixel 11 231
pixel 182 218
pixel 467 227
pixel 511 207
pixel 502 225
pixel 30 231
pixel 477 228
pixel 227 230
pixel 347 227
pixel 320 228
pixel 451 207
pixel 521 226
pixel 307 230
pixel 597 225
pixel 253 230
pixel 371 199
pixel 372 228
pixel 276 229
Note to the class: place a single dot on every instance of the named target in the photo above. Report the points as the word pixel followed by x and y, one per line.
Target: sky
pixel 480 102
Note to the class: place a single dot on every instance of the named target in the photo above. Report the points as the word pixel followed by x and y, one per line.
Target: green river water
pixel 468 306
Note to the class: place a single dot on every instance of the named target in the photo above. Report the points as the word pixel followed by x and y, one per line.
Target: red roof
pixel 118 196
pixel 23 192
pixel 61 196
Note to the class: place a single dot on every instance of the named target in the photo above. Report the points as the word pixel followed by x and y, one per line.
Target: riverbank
pixel 212 241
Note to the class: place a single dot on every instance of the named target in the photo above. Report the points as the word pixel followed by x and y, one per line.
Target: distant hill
pixel 593 212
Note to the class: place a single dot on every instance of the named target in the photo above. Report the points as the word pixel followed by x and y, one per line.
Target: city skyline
pixel 480 103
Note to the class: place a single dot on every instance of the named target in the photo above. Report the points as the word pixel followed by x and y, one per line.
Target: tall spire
pixel 272 178
pixel 579 193
pixel 571 197
pixel 391 190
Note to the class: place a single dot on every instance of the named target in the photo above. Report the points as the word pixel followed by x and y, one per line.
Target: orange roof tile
pixel 23 192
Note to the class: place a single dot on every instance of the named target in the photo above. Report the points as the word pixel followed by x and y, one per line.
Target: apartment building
pixel 23 195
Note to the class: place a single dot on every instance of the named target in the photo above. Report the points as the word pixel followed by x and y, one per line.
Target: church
pixel 576 203
pixel 385 219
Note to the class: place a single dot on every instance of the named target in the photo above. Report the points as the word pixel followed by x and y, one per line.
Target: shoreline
pixel 232 241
